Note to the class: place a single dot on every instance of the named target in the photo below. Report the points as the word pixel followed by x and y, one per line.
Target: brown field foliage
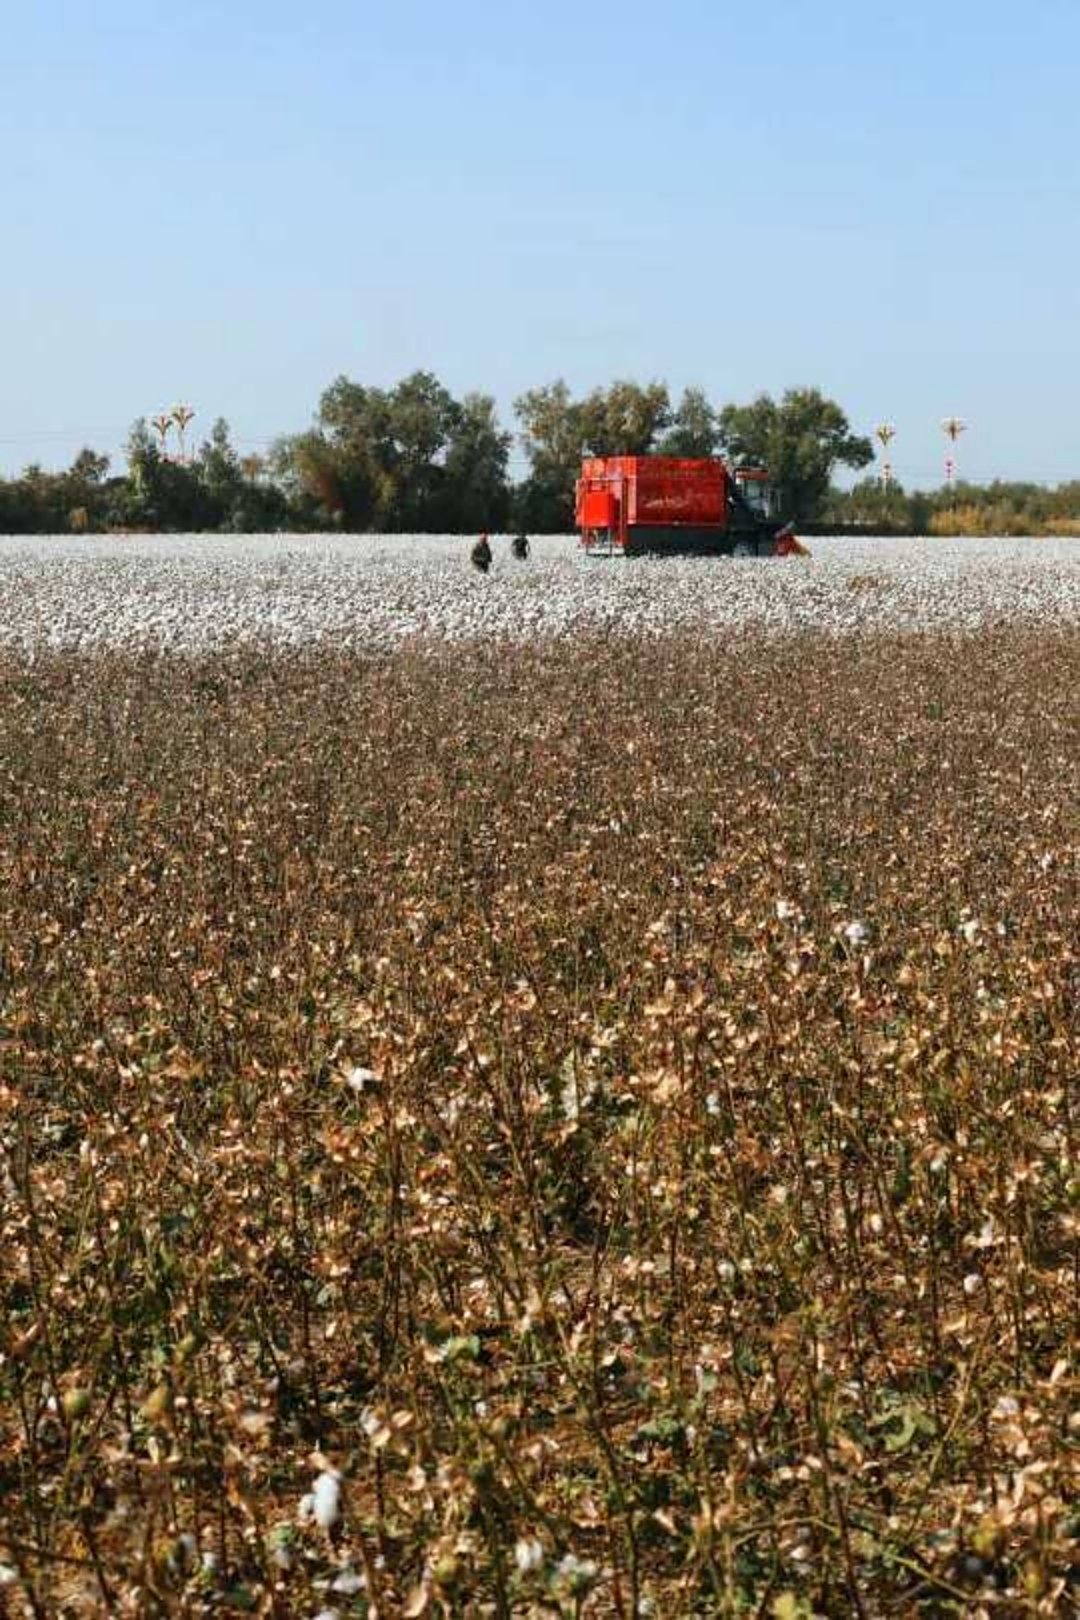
pixel 607 1112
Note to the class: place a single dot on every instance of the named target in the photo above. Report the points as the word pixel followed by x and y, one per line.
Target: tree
pixel 378 458
pixel 694 430
pixel 477 495
pixel 307 467
pixel 88 467
pixel 218 468
pixel 346 463
pixel 337 472
pixel 81 491
pixel 799 440
pixel 423 416
pixel 232 498
pixel 552 428
pixel 554 437
pixel 872 505
pixel 160 494
pixel 625 418
pixel 557 432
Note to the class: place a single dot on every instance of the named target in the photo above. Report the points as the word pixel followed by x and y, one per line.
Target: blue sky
pixel 233 203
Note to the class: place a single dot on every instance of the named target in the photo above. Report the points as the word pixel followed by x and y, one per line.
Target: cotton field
pixel 360 592
pixel 581 1128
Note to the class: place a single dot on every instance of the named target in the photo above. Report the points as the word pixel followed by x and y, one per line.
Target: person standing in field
pixel 519 545
pixel 481 554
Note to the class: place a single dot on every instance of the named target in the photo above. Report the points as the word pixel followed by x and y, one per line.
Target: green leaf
pixel 790 1606
pixel 911 1421
pixel 464 1347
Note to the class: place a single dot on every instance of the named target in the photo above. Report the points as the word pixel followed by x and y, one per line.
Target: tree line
pixel 1000 507
pixel 414 458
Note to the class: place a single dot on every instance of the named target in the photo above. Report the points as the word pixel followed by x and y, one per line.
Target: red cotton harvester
pixel 632 504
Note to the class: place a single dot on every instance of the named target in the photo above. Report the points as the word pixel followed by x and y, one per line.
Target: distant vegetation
pixel 413 458
pixel 997 508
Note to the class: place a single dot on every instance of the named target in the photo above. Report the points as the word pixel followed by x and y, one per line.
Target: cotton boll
pixel 360 1079
pixel 529 1555
pixel 348 1582
pixel 326 1499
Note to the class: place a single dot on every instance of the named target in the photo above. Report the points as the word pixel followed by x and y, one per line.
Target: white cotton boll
pixel 856 932
pixel 348 1582
pixel 326 1499
pixel 360 1079
pixel 529 1555
pixel 972 1283
pixel 970 930
pixel 576 1574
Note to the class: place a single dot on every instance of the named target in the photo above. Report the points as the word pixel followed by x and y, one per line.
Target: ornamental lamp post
pixel 161 425
pixel 885 433
pixel 182 415
pixel 952 427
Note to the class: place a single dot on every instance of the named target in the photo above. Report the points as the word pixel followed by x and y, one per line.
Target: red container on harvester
pixel 652 491
pixel 671 503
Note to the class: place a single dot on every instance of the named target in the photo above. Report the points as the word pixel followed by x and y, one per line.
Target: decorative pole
pixel 161 425
pixel 952 427
pixel 182 416
pixel 885 433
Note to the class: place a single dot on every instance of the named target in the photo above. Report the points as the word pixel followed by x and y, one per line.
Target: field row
pixel 374 592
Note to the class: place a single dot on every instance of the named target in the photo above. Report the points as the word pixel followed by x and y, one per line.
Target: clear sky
pixel 231 203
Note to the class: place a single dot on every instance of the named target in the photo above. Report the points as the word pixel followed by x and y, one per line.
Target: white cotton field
pixel 193 592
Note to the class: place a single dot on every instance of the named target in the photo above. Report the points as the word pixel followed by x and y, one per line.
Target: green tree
pixel 307 468
pixel 625 419
pixel 477 494
pixel 160 494
pixel 88 469
pixel 554 437
pixel 800 440
pixel 379 458
pixel 423 417
pixel 694 430
pixel 558 431
pixel 347 464
pixel 871 505
pixel 233 495
pixel 218 468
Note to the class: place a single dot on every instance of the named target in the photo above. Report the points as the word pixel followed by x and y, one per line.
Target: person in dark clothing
pixel 520 547
pixel 481 554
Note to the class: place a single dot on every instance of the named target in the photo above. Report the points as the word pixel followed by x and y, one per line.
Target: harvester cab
pixel 755 517
pixel 752 486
